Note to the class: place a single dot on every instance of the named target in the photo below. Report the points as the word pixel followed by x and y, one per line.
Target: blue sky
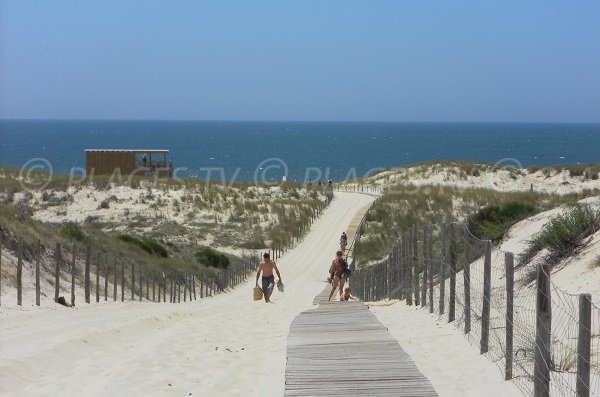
pixel 301 60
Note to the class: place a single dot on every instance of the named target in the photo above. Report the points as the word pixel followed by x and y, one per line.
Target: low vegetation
pixel 563 234
pixel 73 232
pixel 146 244
pixel 210 257
pixel 156 225
pixel 587 171
pixel 490 212
pixel 492 222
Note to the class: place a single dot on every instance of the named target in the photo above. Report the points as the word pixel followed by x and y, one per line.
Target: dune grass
pixel 243 215
pixel 492 222
pixel 563 234
pixel 404 205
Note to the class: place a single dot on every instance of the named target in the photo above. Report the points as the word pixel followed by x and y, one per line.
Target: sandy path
pixel 222 346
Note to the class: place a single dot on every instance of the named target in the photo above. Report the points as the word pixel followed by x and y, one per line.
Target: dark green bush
pixel 212 258
pixel 148 245
pixel 492 222
pixel 155 247
pixel 71 231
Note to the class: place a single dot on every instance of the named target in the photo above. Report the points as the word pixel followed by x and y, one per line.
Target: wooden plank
pixel 341 349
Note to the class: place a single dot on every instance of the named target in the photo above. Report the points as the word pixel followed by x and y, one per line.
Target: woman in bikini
pixel 337 267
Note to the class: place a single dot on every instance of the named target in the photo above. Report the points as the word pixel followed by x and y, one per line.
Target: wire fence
pixel 543 339
pixel 70 274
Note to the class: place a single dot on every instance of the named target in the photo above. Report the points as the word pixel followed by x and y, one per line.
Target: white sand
pixel 222 346
pixel 549 180
pixel 441 351
pixel 138 349
pixel 442 354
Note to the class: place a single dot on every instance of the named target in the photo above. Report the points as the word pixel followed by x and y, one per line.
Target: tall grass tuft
pixel 563 234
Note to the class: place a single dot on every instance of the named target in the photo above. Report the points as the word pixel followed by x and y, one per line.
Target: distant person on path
pixel 343 241
pixel 338 265
pixel 268 280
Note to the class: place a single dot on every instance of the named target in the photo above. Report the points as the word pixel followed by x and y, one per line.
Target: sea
pixel 295 151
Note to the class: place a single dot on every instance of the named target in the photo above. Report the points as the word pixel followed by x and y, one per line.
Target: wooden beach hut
pixel 142 162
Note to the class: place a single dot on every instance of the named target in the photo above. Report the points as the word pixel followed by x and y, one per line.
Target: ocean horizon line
pixel 302 121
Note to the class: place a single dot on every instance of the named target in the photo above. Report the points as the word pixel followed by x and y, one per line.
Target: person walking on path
pixel 343 241
pixel 338 265
pixel 268 279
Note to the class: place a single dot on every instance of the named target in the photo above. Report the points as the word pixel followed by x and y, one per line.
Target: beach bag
pixel 257 293
pixel 346 273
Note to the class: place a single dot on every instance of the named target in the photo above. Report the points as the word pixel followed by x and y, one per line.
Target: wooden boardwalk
pixel 341 349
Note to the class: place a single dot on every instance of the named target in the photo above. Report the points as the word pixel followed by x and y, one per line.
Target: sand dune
pixel 227 345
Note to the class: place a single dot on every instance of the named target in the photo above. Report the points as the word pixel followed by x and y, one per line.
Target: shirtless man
pixel 268 280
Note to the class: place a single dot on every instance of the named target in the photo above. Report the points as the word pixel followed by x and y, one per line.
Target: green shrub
pixel 492 222
pixel 156 248
pixel 563 234
pixel 148 245
pixel 212 258
pixel 567 230
pixel 71 231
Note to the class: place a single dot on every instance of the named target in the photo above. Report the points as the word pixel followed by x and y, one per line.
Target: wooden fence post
pixel 141 278
pixel 416 267
pixel 20 274
pixel 201 282
pixel 98 277
pixel 409 267
pixel 185 288
pixel 122 282
pixel 88 254
pixel 37 273
pixel 194 285
pixel 541 372
pixel 154 290
pixel 56 272
pixel 400 264
pixel 442 272
pixel 73 270
pixel 452 258
pixel 115 285
pixel 106 277
pixel 510 288
pixel 132 281
pixel 584 345
pixel 487 292
pixel 430 266
pixel 467 287
pixel 425 268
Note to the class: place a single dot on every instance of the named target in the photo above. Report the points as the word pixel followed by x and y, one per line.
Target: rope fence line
pixel 543 339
